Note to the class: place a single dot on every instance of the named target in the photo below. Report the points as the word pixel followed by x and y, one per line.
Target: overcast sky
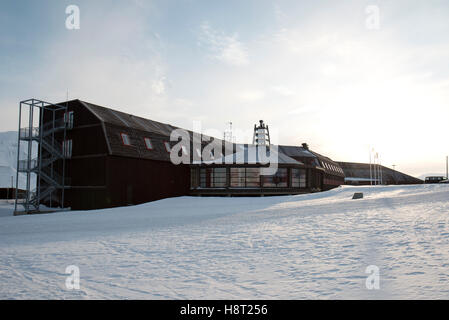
pixel 321 72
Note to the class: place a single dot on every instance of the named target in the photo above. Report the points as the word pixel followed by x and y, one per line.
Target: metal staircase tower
pixel 47 125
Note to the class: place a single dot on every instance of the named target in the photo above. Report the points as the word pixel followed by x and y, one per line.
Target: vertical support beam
pixel 370 171
pixel 18 157
pixel 447 167
pixel 30 150
pixel 64 152
pixel 41 133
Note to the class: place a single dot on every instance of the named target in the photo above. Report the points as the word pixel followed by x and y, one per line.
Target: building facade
pixel 113 159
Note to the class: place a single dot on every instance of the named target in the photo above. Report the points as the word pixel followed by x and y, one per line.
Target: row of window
pixel 247 178
pixel 332 167
pixel 148 144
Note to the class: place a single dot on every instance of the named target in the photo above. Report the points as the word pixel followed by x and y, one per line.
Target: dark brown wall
pixel 114 181
pixel 134 181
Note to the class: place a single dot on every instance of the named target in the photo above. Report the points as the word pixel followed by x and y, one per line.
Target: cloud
pixel 222 47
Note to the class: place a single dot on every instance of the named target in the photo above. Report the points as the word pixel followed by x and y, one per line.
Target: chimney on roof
pixel 305 146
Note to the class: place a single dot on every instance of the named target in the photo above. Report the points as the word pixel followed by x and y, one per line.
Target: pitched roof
pixel 116 123
pixel 119 118
pixel 137 130
pixel 250 155
pixel 360 171
pixel 295 151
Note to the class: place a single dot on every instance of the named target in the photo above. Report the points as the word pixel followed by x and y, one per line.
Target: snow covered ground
pixel 314 246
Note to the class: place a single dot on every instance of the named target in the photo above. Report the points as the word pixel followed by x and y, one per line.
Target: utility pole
pixel 381 173
pixel 370 170
pixel 376 169
pixel 447 177
pixel 394 173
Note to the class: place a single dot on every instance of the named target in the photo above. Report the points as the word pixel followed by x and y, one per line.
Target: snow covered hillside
pixel 8 160
pixel 292 247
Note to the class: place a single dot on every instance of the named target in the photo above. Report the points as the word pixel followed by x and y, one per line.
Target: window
pixel 252 177
pixel 68 119
pixel 237 177
pixel 125 139
pixel 295 178
pixel 67 148
pixel 213 177
pixel 219 177
pixel 148 143
pixel 302 178
pixel 279 179
pixel 194 183
pixel 167 146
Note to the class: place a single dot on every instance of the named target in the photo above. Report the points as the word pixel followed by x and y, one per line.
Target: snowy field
pixel 315 246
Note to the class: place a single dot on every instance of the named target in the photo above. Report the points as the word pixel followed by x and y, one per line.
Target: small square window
pixel 167 146
pixel 148 143
pixel 125 139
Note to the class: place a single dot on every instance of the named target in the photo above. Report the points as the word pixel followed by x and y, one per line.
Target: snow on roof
pixel 254 155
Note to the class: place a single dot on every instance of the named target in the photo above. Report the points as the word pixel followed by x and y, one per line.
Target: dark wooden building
pixel 322 172
pixel 115 159
pixel 245 173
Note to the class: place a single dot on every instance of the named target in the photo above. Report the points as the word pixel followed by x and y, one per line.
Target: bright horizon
pixel 318 71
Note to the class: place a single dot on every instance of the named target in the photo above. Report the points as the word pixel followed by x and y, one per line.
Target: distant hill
pixel 8 160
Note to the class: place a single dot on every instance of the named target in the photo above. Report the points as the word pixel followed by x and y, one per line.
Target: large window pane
pixel 194 178
pixel 205 178
pixel 298 178
pixel 252 177
pixel 219 177
pixel 295 178
pixel 302 178
pixel 278 180
pixel 213 178
pixel 237 177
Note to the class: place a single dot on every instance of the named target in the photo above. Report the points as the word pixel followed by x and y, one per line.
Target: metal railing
pixel 25 133
pixel 49 166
